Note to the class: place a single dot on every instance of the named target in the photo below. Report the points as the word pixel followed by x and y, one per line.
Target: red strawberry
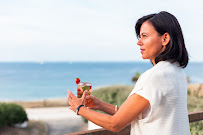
pixel 77 80
pixel 79 89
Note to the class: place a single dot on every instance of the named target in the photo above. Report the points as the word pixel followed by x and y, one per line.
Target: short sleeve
pixel 139 84
pixel 152 89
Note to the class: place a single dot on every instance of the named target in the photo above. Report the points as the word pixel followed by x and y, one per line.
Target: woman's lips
pixel 142 50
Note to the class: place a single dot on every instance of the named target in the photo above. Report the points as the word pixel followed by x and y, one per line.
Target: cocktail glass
pixel 81 87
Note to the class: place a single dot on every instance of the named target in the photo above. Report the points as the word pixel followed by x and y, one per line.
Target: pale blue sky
pixel 87 30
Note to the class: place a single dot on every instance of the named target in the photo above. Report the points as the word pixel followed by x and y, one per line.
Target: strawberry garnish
pixel 77 80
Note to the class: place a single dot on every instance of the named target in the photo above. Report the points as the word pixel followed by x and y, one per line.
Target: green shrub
pixel 11 114
pixel 2 115
pixel 136 77
pixel 196 128
pixel 115 95
pixel 188 92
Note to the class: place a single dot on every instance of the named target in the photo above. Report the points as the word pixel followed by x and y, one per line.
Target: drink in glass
pixel 81 87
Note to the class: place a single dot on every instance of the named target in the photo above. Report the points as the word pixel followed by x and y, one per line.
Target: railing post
pixel 195 116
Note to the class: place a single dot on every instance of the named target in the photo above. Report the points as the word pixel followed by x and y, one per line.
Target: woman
pixel 158 103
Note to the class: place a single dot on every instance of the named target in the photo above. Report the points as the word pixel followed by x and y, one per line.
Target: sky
pixel 88 30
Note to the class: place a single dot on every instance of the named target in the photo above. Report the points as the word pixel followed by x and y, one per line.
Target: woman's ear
pixel 165 39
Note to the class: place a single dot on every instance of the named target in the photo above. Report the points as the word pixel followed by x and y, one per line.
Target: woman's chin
pixel 143 57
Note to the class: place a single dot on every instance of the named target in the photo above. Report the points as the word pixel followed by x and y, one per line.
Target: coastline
pixel 194 88
pixel 52 102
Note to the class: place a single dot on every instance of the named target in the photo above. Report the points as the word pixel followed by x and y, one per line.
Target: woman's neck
pixel 153 62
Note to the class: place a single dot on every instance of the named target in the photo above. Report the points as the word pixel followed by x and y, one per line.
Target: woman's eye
pixel 144 35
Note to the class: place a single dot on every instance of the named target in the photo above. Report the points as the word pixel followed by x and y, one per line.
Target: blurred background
pixel 46 44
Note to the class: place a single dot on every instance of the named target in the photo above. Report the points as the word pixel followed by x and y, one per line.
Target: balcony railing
pixel 193 117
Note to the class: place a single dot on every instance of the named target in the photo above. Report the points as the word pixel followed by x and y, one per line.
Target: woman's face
pixel 150 42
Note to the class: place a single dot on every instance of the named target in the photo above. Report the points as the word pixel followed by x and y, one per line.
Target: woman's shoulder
pixel 164 70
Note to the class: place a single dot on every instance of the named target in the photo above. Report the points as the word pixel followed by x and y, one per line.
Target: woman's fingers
pixel 84 95
pixel 74 101
pixel 71 108
pixel 70 103
pixel 71 95
pixel 88 97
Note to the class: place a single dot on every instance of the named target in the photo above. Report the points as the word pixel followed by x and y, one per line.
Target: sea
pixel 26 81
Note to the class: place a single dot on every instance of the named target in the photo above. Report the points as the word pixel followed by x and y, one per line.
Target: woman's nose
pixel 139 42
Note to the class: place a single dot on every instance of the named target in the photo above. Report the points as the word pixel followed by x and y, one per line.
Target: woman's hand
pixel 93 102
pixel 74 102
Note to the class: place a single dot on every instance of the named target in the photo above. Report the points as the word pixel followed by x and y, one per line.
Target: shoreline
pixel 195 88
pixel 52 102
pixel 32 100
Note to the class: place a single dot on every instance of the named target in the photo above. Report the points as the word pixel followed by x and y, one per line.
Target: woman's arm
pixel 130 110
pixel 108 108
pixel 97 104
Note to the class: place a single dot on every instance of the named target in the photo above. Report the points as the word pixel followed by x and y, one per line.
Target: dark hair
pixel 165 22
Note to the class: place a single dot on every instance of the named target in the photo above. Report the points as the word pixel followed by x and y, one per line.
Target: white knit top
pixel 165 87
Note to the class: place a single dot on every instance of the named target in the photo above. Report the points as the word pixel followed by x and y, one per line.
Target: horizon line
pixel 42 62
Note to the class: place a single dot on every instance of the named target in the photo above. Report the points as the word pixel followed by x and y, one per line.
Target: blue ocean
pixel 34 81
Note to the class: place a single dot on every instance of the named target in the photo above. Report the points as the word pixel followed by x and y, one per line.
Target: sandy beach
pixel 60 120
